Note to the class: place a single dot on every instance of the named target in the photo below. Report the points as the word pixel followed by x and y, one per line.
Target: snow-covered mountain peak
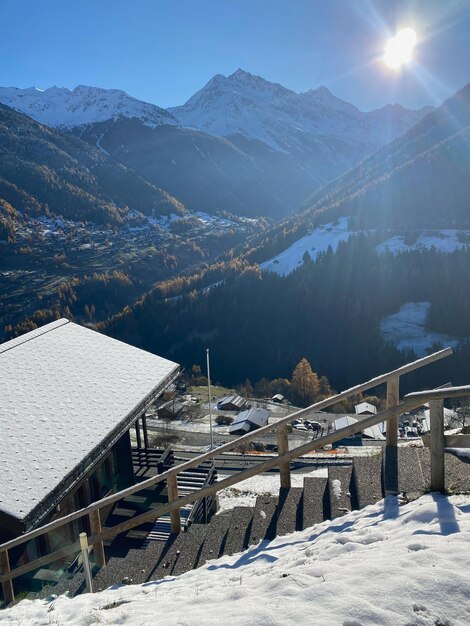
pixel 248 105
pixel 65 108
pixel 323 96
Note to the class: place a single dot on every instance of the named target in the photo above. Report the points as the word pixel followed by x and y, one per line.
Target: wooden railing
pixel 391 414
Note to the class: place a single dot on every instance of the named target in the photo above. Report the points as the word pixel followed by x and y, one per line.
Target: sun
pixel 399 49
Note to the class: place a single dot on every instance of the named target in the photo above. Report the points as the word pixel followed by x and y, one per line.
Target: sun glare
pixel 399 49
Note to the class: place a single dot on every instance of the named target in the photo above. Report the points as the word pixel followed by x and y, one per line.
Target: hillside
pixel 419 179
pixel 383 565
pixel 208 173
pixel 44 172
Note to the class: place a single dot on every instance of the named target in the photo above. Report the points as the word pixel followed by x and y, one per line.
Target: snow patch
pixel 406 329
pixel 316 242
pixel 443 240
pixel 336 486
pixel 246 492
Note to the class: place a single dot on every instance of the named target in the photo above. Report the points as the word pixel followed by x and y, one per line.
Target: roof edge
pixel 37 332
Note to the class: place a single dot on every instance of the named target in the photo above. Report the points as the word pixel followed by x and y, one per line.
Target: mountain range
pixel 240 144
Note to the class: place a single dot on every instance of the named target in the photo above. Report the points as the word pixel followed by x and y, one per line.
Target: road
pixel 199 439
pixel 233 463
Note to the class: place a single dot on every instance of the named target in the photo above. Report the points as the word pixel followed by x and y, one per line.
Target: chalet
pixel 249 420
pixel 365 408
pixel 231 403
pixel 170 410
pixel 372 432
pixel 69 399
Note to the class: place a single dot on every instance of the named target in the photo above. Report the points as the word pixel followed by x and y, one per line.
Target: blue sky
pixel 162 51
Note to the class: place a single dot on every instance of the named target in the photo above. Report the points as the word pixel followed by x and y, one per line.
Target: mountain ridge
pixel 60 107
pixel 245 144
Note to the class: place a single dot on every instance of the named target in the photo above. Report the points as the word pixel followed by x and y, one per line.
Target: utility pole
pixel 210 397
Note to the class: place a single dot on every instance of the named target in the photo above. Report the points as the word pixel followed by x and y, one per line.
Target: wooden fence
pixel 391 414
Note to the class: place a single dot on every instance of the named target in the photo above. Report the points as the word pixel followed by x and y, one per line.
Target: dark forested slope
pixel 44 172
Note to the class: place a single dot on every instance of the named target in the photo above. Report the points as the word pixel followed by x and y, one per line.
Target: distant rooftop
pixel 67 394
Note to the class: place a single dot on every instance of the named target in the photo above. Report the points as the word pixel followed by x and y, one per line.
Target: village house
pixel 70 397
pixel 249 420
pixel 231 403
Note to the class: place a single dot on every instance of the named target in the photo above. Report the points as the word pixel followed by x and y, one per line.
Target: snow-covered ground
pixel 443 240
pixel 385 565
pixel 405 329
pixel 332 234
pixel 314 243
pixel 246 492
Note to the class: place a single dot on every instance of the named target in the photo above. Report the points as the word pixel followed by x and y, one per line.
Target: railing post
pixel 98 546
pixel 7 585
pixel 436 414
pixel 86 562
pixel 145 431
pixel 137 434
pixel 393 398
pixel 391 448
pixel 282 448
pixel 172 496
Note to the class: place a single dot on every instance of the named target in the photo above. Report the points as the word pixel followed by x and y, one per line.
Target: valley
pixel 57 267
pixel 265 224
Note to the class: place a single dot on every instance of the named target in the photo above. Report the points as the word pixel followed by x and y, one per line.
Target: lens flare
pixel 399 49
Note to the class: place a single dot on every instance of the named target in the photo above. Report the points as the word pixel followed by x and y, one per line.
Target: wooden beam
pixel 6 578
pixel 172 484
pixel 137 434
pixel 163 509
pixel 393 398
pixel 440 394
pixel 37 563
pixel 145 431
pixel 95 528
pixel 436 411
pixel 282 448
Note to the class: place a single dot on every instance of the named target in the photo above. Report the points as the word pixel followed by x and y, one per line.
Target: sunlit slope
pixel 421 179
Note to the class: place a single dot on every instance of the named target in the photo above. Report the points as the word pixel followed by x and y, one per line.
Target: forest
pixel 259 324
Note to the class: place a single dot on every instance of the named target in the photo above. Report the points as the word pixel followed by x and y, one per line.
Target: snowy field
pixel 316 242
pixel 386 565
pixel 443 240
pixel 333 233
pixel 405 329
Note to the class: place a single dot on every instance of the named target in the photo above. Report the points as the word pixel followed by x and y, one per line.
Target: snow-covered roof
pixel 68 393
pixel 449 415
pixel 373 432
pixel 255 416
pixel 235 400
pixel 365 407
